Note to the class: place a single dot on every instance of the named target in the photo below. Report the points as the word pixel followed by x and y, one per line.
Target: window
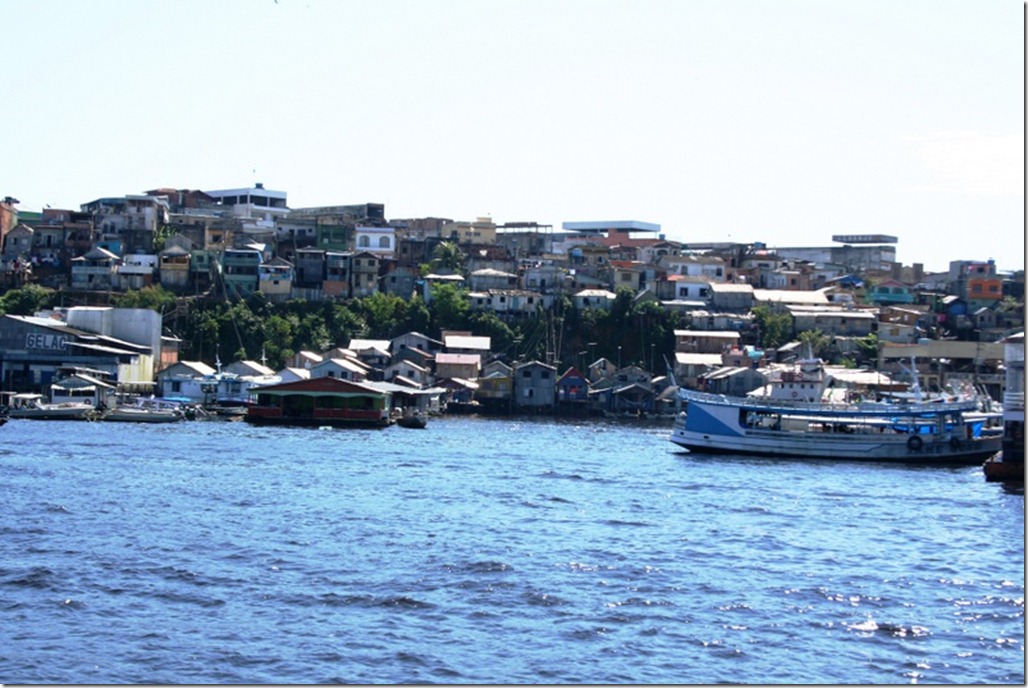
pixel 526 374
pixel 383 242
pixel 364 242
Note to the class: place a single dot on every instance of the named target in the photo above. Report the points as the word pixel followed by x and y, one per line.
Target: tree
pixel 868 347
pixel 155 297
pixel 488 324
pixel 448 255
pixel 774 329
pixel 384 313
pixel 26 300
pixel 449 307
pixel 815 341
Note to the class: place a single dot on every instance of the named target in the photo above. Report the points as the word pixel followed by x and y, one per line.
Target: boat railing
pixel 797 406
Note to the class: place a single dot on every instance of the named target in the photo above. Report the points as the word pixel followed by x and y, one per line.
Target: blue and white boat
pixel 802 417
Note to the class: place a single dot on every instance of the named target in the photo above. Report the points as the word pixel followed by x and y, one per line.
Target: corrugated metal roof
pixel 698 359
pixel 453 341
pixel 458 359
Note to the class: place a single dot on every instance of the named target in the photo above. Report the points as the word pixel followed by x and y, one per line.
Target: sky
pixel 781 121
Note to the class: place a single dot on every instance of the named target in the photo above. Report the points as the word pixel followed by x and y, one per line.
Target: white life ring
pixel 795 395
pixel 89 401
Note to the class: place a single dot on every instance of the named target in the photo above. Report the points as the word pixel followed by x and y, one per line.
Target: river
pixel 492 551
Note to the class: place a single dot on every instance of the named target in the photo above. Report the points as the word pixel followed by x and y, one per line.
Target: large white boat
pixel 801 416
pixel 145 410
pixel 33 406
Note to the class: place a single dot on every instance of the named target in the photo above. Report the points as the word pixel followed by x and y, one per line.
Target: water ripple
pixel 584 552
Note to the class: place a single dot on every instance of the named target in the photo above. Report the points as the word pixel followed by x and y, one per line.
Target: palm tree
pixel 449 256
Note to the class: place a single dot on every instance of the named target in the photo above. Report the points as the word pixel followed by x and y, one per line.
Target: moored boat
pixel 414 421
pixel 1008 465
pixel 32 406
pixel 135 409
pixel 799 418
pixel 138 414
pixel 928 433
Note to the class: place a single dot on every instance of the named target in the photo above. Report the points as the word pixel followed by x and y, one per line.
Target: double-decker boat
pixel 801 418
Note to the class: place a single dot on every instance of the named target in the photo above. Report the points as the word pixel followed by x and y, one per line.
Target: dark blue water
pixel 491 551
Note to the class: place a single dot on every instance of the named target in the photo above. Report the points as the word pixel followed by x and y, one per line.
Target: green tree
pixel 774 329
pixel 488 324
pixel 447 255
pixel 279 335
pixel 814 341
pixel 161 236
pixel 155 297
pixel 867 347
pixel 448 308
pixel 27 300
pixel 385 314
pixel 419 319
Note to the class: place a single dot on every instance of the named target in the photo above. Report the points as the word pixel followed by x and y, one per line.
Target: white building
pixel 378 241
pixel 260 208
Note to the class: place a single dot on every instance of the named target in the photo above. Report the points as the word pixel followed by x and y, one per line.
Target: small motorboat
pixel 137 414
pixel 412 420
pixel 999 470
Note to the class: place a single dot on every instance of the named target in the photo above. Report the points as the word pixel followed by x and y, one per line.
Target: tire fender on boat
pixel 915 443
pixel 954 443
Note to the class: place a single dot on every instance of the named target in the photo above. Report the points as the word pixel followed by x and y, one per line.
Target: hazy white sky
pixel 783 121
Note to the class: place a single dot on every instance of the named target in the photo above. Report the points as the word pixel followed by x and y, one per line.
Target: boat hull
pixel 141 416
pixel 998 469
pixel 936 453
pixel 55 413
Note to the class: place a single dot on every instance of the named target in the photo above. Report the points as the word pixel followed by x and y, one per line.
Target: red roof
pixel 327 385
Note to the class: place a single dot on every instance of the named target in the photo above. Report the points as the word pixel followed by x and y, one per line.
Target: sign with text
pixel 45 342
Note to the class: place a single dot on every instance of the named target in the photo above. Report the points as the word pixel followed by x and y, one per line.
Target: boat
pixel 139 414
pixel 999 470
pixel 1008 465
pixel 144 410
pixel 803 416
pixel 34 407
pixel 412 420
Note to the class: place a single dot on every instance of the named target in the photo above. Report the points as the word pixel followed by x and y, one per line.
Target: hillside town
pixel 879 322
